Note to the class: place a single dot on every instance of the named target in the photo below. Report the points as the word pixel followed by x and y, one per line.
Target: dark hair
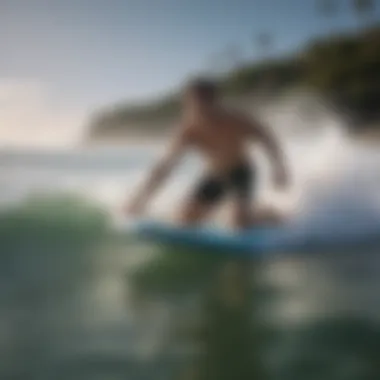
pixel 204 88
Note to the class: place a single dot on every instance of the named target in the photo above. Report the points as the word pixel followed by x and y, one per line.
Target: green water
pixel 80 301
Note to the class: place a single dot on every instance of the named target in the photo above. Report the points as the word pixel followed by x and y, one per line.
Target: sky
pixel 85 54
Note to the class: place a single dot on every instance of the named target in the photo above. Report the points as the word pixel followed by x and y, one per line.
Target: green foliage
pixel 342 67
pixel 347 69
pixel 138 118
pixel 363 6
pixel 274 75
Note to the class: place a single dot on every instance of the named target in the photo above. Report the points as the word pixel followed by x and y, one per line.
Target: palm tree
pixel 363 10
pixel 226 60
pixel 327 8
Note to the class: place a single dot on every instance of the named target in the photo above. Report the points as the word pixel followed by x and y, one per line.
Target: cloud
pixel 29 117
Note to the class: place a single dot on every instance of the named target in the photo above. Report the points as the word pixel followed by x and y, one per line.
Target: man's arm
pixel 160 171
pixel 266 137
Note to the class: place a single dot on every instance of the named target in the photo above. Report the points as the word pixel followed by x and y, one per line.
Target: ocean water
pixel 69 314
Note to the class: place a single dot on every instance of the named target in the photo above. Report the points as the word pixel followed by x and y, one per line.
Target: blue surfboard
pixel 254 242
pixel 251 241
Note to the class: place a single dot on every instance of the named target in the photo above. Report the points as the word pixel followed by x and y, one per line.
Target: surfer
pixel 222 136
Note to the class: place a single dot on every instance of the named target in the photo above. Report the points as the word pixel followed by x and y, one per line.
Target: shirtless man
pixel 223 138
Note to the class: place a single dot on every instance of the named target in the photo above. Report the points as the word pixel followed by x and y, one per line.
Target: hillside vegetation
pixel 343 68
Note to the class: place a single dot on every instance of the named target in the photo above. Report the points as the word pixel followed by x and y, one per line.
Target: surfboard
pixel 217 239
pixel 254 242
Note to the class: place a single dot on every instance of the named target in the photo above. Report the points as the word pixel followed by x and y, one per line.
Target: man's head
pixel 200 93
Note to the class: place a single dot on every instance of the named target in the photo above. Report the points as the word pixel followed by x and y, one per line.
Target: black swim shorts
pixel 238 182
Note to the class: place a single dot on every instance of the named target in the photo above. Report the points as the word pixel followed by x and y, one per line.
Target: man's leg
pixel 266 216
pixel 241 213
pixel 202 202
pixel 244 216
pixel 194 212
pixel 243 182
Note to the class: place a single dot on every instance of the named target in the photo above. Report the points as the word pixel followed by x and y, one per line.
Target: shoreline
pixel 369 135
